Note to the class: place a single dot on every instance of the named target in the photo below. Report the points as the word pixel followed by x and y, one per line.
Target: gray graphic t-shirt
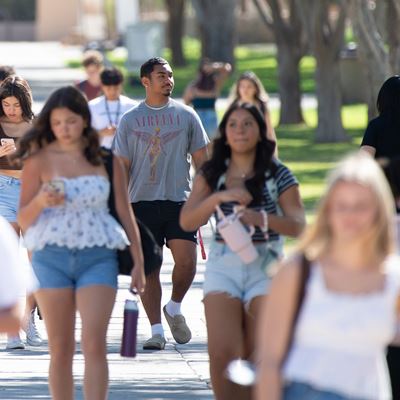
pixel 158 144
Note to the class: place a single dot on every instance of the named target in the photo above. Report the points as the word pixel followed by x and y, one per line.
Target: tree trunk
pixel 393 34
pixel 176 13
pixel 289 85
pixel 371 50
pixel 326 36
pixel 291 46
pixel 217 25
pixel 330 127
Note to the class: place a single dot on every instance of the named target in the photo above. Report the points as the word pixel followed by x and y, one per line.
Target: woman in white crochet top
pixel 349 312
pixel 64 214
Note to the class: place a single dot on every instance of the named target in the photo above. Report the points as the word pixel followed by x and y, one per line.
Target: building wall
pixel 13 31
pixel 56 20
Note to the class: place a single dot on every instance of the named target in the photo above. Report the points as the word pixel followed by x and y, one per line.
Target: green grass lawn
pixel 311 161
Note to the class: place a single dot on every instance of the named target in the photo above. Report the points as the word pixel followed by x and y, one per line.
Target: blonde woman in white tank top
pixel 350 310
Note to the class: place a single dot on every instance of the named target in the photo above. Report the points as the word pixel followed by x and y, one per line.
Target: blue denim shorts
pixel 209 120
pixel 59 267
pixel 303 391
pixel 226 273
pixel 9 197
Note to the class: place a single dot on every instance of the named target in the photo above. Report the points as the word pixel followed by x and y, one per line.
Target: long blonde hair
pixel 359 168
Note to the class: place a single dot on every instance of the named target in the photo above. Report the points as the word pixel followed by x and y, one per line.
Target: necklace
pixel 241 174
pixel 116 113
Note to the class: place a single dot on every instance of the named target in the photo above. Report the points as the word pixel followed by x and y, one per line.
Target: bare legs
pixel 184 254
pixel 58 310
pixel 95 304
pixel 231 335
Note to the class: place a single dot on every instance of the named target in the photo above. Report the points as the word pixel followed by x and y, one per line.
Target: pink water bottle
pixel 131 313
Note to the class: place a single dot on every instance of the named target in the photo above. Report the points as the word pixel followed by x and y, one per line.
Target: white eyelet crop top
pixel 82 221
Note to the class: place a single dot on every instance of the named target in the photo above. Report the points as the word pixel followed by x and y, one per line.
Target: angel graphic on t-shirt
pixel 156 146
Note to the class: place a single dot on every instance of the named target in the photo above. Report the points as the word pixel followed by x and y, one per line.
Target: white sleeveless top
pixel 340 340
pixel 82 221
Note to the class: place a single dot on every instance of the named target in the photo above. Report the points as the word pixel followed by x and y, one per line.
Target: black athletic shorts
pixel 162 218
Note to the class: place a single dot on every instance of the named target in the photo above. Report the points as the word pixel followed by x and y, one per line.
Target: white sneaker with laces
pixel 32 334
pixel 14 343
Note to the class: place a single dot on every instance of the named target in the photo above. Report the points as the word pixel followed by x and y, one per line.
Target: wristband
pixel 264 227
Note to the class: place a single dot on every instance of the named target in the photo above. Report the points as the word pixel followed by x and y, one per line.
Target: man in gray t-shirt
pixel 157 140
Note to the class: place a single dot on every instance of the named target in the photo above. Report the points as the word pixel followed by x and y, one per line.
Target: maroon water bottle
pixel 131 313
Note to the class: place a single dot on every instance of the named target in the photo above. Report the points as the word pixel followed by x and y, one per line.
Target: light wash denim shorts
pixel 303 391
pixel 59 267
pixel 226 273
pixel 9 197
pixel 209 120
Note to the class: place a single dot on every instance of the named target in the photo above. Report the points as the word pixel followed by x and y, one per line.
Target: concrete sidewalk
pixel 180 372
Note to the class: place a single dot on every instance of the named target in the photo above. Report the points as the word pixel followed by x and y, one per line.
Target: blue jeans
pixel 303 391
pixel 59 267
pixel 226 273
pixel 209 120
pixel 9 197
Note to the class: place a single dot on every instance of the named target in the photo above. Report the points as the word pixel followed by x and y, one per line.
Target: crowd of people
pixel 316 324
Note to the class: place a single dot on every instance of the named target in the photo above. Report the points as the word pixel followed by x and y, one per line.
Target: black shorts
pixel 162 218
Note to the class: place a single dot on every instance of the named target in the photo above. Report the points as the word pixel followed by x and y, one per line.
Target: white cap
pixel 131 305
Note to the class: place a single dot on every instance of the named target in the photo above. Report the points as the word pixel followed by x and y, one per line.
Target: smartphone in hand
pixel 5 141
pixel 56 185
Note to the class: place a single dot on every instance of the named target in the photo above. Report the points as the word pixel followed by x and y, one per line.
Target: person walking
pixel 67 225
pixel 334 346
pixel 203 92
pixel 92 63
pixel 157 140
pixel 241 172
pixel 381 138
pixel 391 169
pixel 16 117
pixel 249 89
pixel 107 110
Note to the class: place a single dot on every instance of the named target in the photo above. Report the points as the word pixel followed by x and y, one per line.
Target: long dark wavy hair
pixel 221 155
pixel 41 134
pixel 15 86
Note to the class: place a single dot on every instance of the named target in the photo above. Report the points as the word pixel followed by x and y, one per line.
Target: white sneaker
pixel 32 334
pixel 14 343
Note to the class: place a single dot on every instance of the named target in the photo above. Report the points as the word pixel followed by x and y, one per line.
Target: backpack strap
pixel 305 267
pixel 108 160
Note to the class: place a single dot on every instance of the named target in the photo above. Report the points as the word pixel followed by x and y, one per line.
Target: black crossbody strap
pixel 108 160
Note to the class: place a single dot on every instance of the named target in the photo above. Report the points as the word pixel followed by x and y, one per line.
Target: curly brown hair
pixel 40 135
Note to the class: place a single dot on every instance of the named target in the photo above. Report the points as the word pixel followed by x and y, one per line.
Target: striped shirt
pixel 282 180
